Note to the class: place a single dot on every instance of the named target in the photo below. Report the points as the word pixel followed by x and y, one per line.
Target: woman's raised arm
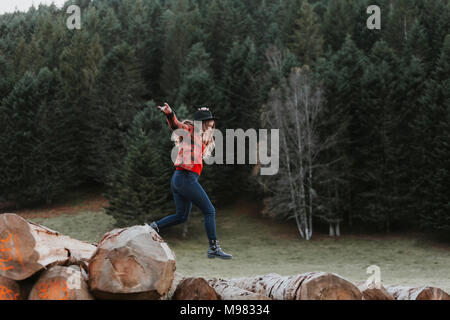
pixel 172 119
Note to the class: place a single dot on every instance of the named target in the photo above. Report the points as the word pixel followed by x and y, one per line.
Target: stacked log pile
pixel 38 263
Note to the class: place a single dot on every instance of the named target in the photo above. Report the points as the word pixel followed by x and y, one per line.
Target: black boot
pixel 154 226
pixel 215 251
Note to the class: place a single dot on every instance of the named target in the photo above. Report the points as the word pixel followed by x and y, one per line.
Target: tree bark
pixel 9 289
pixel 227 291
pixel 61 283
pixel 131 263
pixel 306 286
pixel 331 229
pixel 178 277
pixel 417 293
pixel 195 289
pixel 27 247
pixel 338 231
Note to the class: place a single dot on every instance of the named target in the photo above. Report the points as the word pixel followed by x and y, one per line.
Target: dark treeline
pixel 78 106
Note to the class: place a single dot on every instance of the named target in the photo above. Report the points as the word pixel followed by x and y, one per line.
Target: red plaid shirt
pixel 191 150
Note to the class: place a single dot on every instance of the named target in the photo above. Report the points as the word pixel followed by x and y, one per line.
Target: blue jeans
pixel 186 190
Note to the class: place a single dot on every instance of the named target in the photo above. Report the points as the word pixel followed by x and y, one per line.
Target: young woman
pixel 189 163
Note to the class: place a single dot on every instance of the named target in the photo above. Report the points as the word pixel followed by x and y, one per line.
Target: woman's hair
pixel 207 137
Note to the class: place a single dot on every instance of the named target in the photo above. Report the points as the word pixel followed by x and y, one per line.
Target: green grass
pixel 86 226
pixel 261 246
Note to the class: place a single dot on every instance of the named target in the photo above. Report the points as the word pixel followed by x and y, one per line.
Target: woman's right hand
pixel 165 109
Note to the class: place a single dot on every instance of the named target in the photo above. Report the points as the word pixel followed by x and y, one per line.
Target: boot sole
pixel 212 256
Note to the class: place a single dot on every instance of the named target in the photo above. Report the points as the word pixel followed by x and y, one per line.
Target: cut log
pixel 195 289
pixel 131 263
pixel 417 293
pixel 9 289
pixel 226 291
pixel 61 283
pixel 178 277
pixel 27 284
pixel 372 292
pixel 27 247
pixel 306 286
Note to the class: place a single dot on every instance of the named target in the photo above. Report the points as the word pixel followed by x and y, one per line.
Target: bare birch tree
pixel 294 108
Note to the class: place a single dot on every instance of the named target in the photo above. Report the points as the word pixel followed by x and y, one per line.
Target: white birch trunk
pixel 331 230
pixel 338 232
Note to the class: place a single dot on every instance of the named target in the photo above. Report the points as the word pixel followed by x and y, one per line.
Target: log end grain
pixel 61 283
pixel 327 286
pixel 373 292
pixel 195 289
pixel 9 289
pixel 131 261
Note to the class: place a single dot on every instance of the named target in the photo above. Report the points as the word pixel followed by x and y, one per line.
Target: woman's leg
pixel 183 205
pixel 193 191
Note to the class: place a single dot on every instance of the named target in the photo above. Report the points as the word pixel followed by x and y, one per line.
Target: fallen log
pixel 178 277
pixel 27 284
pixel 195 289
pixel 131 263
pixel 27 247
pixel 61 283
pixel 226 291
pixel 417 293
pixel 306 286
pixel 373 292
pixel 9 289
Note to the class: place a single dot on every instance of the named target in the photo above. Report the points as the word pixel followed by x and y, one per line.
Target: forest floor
pixel 261 245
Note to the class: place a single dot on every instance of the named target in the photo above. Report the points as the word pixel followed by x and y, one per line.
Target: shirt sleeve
pixel 174 123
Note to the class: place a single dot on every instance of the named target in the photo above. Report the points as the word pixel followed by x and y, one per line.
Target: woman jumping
pixel 189 163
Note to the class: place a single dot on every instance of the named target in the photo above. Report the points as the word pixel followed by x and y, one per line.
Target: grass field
pixel 261 246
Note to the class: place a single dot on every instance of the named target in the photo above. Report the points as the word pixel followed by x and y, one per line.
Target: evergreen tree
pixel 364 37
pixel 178 38
pixel 399 22
pixel 307 39
pixel 152 53
pixel 377 198
pixel 338 23
pixel 286 14
pixel 341 74
pixel 434 17
pixel 239 110
pixel 411 86
pixel 79 66
pixel 4 81
pixel 416 44
pixel 53 37
pixel 139 191
pixel 36 163
pixel 115 101
pixel 434 129
pixel 28 57
pixel 198 87
pixel 239 86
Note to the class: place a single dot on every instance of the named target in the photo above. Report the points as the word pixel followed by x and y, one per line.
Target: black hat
pixel 204 114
